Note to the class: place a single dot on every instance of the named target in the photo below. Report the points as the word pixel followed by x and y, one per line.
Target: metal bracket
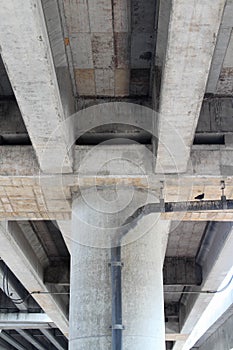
pixel 116 264
pixel 223 197
pixel 161 198
pixel 117 326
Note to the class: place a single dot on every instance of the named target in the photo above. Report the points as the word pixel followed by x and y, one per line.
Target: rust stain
pixel 67 41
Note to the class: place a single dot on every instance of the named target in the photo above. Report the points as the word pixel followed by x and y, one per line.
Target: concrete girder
pixel 29 271
pixel 216 263
pixel 193 29
pixel 216 115
pixel 34 82
pixel 176 271
pixel 52 339
pixel 221 48
pixel 48 196
pixel 23 320
pixel 10 340
pixel 14 287
pixel 31 339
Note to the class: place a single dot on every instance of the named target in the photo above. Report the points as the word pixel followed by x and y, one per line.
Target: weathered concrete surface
pixel 25 320
pixel 216 263
pixel 214 85
pixel 216 116
pixel 193 30
pixel 221 339
pixel 99 40
pixel 27 194
pixel 34 82
pixel 29 271
pixel 96 216
pixel 60 51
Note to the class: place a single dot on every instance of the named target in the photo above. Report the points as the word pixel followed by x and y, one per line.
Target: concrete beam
pixel 57 274
pixel 25 321
pixel 47 333
pixel 176 271
pixel 193 29
pixel 54 17
pixel 65 228
pixel 31 339
pixel 216 314
pixel 216 262
pixel 14 287
pixel 181 271
pixel 27 194
pixel 29 271
pixel 221 48
pixel 10 340
pixel 216 115
pixel 30 68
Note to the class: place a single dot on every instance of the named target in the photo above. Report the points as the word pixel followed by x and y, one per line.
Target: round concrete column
pixel 142 281
pixel 95 220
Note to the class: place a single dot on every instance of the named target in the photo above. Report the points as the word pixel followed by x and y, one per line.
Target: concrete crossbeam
pixel 27 194
pixel 176 271
pixel 181 271
pixel 29 64
pixel 25 321
pixel 216 115
pixel 193 26
pixel 29 271
pixel 57 274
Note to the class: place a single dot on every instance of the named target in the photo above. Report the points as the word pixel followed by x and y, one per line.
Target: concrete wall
pixel 221 339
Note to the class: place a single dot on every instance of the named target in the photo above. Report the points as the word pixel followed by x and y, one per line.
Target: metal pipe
pixel 117 326
pixel 130 223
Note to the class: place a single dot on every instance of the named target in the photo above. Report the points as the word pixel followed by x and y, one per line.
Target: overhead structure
pixel 116 175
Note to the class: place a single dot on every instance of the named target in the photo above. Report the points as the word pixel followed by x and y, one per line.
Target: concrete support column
pixel 95 220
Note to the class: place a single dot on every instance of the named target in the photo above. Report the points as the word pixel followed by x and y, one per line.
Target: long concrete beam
pixel 23 320
pixel 27 56
pixel 216 262
pixel 31 339
pixel 176 271
pixel 25 194
pixel 11 341
pixel 19 256
pixel 221 48
pixel 14 287
pixel 193 29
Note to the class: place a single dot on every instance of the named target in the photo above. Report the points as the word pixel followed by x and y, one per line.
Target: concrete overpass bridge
pixel 116 148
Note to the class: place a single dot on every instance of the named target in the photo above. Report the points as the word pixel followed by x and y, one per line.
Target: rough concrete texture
pixel 95 219
pixel 216 266
pixel 26 193
pixel 225 82
pixel 143 287
pixel 221 339
pixel 29 271
pixel 112 45
pixel 216 116
pixel 33 79
pixel 193 26
pixel 182 232
pixel 225 33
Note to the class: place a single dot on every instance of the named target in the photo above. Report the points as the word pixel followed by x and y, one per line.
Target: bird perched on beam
pixel 200 196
